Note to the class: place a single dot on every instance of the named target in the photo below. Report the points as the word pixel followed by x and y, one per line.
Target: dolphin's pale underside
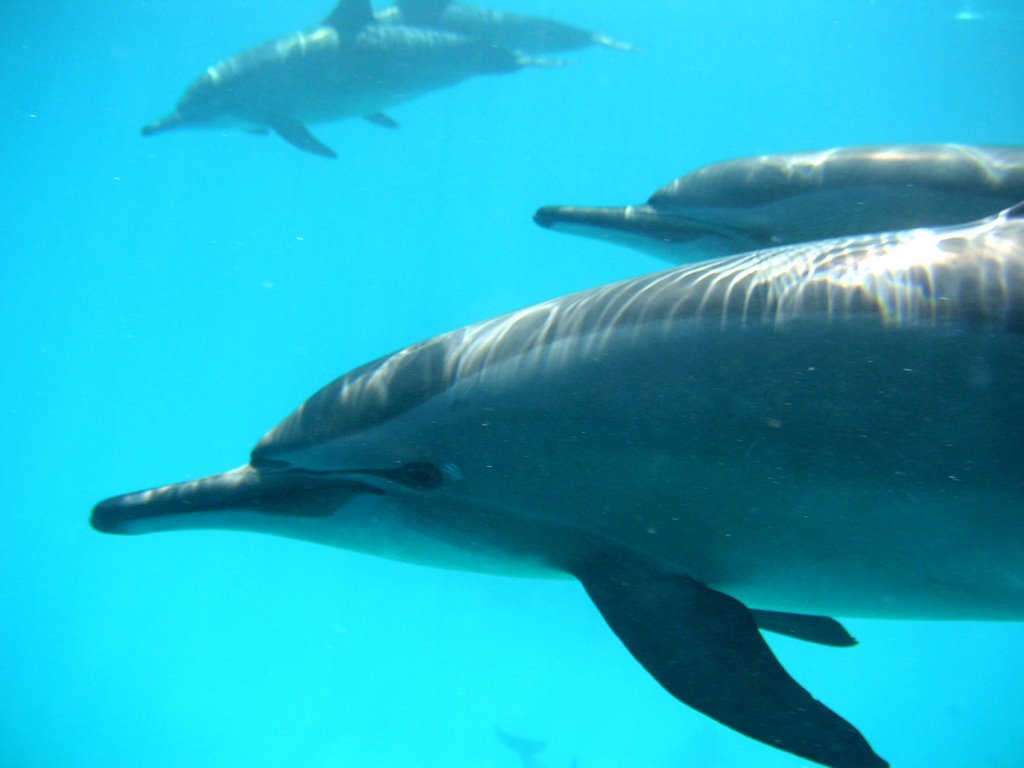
pixel 826 429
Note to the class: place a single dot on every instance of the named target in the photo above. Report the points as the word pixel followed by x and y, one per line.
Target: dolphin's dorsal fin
pixel 704 648
pixel 298 135
pixel 349 16
pixel 422 12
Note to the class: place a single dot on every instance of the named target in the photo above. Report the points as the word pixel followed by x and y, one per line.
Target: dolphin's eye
pixel 421 475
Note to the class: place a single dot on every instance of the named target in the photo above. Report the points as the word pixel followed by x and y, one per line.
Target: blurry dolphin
pixel 526 749
pixel 833 427
pixel 989 12
pixel 348 66
pixel 528 34
pixel 771 200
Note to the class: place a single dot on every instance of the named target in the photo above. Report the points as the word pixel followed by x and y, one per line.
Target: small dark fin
pixel 350 16
pixel 813 629
pixel 298 135
pixel 1016 211
pixel 703 647
pixel 526 749
pixel 421 12
pixel 257 131
pixel 384 121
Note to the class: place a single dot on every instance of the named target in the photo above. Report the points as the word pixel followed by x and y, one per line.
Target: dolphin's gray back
pixel 972 170
pixel 968 275
pixel 526 34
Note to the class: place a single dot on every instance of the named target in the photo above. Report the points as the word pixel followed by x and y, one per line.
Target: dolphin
pixel 348 66
pixel 832 428
pixel 526 749
pixel 770 200
pixel 526 34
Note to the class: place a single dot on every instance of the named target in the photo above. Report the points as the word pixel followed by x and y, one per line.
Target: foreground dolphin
pixel 527 34
pixel 830 428
pixel 770 200
pixel 348 66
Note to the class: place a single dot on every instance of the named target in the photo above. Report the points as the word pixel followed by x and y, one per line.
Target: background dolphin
pixel 830 428
pixel 769 200
pixel 525 749
pixel 519 32
pixel 348 66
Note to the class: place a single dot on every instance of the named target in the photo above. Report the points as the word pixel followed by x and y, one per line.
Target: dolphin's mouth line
pixel 417 475
pixel 273 490
pixel 320 495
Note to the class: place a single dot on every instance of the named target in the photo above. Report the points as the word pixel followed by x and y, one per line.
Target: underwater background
pixel 168 300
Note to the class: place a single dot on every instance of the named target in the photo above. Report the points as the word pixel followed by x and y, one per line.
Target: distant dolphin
pixel 526 749
pixel 770 200
pixel 828 428
pixel 527 34
pixel 348 66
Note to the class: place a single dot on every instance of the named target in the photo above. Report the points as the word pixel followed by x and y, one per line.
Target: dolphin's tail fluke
pixel 171 121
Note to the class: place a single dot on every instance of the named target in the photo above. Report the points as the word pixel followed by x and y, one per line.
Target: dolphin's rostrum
pixel 760 202
pixel 826 429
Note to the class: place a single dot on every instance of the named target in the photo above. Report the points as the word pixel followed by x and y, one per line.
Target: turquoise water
pixel 167 300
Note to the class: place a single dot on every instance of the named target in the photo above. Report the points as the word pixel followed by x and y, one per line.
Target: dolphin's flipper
pixel 379 118
pixel 704 648
pixel 298 135
pixel 813 629
pixel 350 16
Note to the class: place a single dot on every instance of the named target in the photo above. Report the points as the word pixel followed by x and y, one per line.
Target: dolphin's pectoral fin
pixel 813 629
pixel 379 118
pixel 298 135
pixel 704 648
pixel 257 131
pixel 350 16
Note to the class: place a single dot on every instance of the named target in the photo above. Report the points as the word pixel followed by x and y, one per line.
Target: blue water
pixel 167 300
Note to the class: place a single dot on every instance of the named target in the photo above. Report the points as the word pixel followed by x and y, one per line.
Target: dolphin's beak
pixel 225 500
pixel 173 120
pixel 629 218
pixel 136 512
